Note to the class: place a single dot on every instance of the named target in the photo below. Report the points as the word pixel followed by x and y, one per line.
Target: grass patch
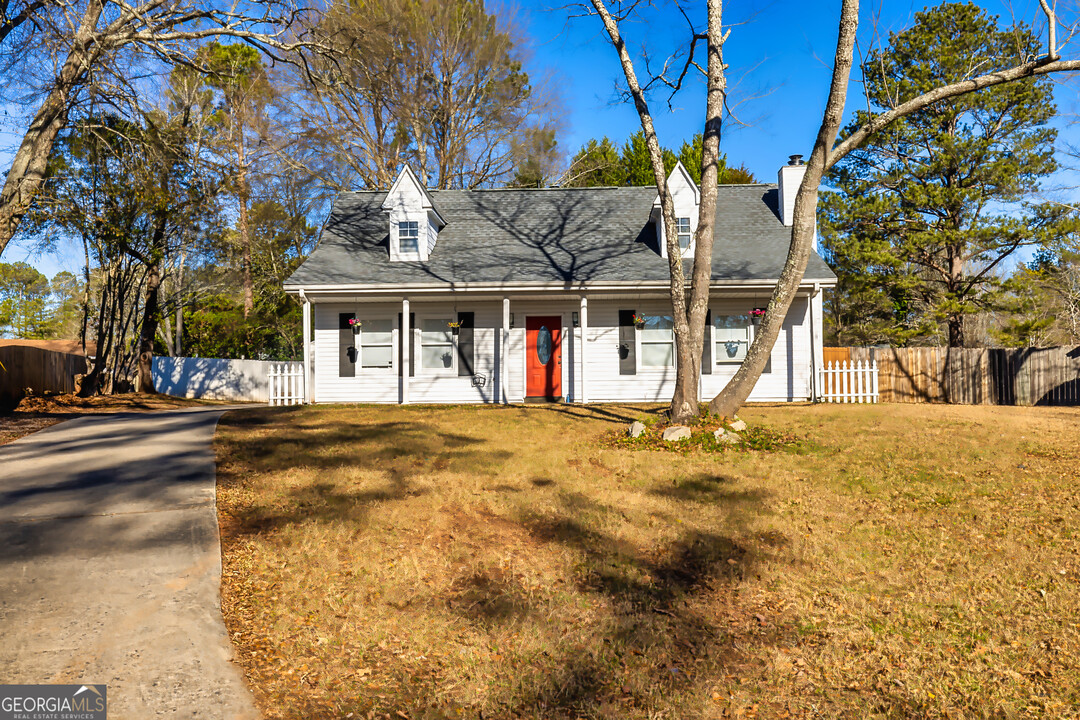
pixel 515 562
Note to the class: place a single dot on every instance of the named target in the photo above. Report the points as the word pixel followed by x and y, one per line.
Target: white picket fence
pixel 849 382
pixel 286 382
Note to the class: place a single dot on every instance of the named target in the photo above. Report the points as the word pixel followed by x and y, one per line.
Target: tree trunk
pixel 953 290
pixel 149 330
pixel 735 393
pixel 688 317
pixel 91 384
pixel 180 305
pixel 684 400
pixel 956 330
pixel 245 233
pixel 27 170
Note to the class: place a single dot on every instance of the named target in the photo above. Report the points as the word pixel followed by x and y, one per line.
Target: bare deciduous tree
pixel 435 83
pixel 63 45
pixel 689 304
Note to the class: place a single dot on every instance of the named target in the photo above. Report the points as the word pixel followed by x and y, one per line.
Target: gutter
pixel 397 288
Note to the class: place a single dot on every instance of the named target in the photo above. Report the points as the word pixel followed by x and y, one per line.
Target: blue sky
pixel 780 56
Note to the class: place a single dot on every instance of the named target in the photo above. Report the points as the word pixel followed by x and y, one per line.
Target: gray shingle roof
pixel 581 235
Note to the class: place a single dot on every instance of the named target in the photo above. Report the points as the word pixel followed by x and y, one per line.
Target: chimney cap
pixel 795 160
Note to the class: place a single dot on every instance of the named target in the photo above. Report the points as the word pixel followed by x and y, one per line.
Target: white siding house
pixel 499 296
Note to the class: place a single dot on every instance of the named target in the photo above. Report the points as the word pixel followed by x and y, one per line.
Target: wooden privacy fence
pixel 286 383
pixel 40 371
pixel 849 382
pixel 974 376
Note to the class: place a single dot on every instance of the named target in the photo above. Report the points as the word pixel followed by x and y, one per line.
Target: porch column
pixel 814 310
pixel 308 390
pixel 504 351
pixel 406 351
pixel 583 347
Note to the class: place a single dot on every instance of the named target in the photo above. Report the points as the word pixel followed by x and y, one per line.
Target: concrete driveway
pixel 110 565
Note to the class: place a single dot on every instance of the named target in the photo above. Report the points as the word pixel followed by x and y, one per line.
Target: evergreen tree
pixel 600 164
pixel 1042 307
pixel 596 164
pixel 925 213
pixel 24 296
pixel 690 157
pixel 239 79
pixel 638 167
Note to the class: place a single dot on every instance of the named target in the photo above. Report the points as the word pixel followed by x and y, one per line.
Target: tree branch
pixel 880 122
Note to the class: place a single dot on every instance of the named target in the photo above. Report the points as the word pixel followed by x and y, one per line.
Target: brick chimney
pixel 788 180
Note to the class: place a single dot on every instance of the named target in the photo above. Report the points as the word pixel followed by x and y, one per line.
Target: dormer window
pixel 408 237
pixel 686 199
pixel 413 218
pixel 682 226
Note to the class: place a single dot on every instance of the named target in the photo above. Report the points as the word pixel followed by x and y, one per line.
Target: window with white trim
pixel 436 344
pixel 375 342
pixel 656 338
pixel 732 335
pixel 682 228
pixel 408 234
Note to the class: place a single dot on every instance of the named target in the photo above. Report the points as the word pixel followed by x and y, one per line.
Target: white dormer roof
pixel 680 185
pixel 686 197
pixel 414 218
pixel 408 191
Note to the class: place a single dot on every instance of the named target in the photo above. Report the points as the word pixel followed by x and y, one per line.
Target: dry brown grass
pixel 38 412
pixel 913 561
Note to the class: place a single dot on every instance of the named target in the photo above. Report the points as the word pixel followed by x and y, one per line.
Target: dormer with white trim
pixel 415 220
pixel 686 197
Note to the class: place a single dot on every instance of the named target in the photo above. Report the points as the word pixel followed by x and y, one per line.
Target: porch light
pixel 574 319
pixel 511 321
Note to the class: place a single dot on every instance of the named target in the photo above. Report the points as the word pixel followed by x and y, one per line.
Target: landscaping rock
pixel 726 436
pixel 676 432
pixel 636 428
pixel 737 425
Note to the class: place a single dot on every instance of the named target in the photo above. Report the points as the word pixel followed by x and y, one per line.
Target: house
pixel 503 296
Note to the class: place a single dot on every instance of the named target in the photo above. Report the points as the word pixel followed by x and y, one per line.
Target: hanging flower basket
pixel 756 314
pixel 454 326
pixel 355 324
pixel 639 321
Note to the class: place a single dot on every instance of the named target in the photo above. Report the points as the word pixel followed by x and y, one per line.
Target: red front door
pixel 543 351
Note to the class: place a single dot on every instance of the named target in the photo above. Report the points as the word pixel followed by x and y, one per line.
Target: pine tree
pixel 925 213
pixel 596 164
pixel 690 156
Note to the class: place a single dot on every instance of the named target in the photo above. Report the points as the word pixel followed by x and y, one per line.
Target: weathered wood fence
pixel 40 371
pixel 972 376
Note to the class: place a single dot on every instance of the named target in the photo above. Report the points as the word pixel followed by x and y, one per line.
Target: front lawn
pixel 505 562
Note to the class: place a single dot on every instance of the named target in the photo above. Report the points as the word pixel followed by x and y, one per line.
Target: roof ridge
pixel 552 187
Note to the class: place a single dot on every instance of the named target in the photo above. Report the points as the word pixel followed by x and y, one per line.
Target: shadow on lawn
pixel 665 629
pixel 661 618
pixel 398 450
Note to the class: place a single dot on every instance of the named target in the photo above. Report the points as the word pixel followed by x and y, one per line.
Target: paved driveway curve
pixel 110 565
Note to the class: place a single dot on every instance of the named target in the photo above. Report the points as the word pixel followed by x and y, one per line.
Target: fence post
pixel 875 393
